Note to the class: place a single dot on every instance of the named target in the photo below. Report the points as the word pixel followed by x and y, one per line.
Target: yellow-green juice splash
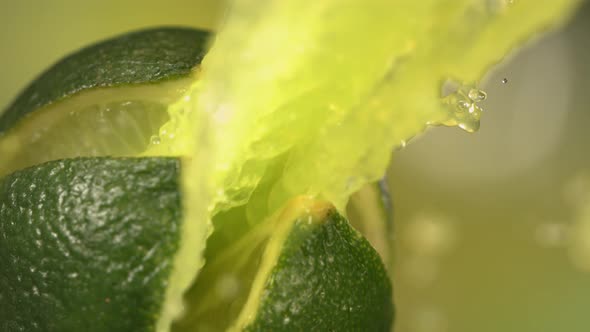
pixel 326 90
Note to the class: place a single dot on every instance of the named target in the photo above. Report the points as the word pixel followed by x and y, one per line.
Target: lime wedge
pixel 86 244
pixel 107 99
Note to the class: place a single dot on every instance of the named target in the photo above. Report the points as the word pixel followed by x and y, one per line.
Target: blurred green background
pixel 492 228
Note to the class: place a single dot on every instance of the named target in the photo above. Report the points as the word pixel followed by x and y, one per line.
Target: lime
pixel 324 269
pixel 107 99
pixel 86 244
pixel 90 243
pixel 272 119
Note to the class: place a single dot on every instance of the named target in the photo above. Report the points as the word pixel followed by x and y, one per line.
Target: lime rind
pixel 86 243
pixel 302 207
pixel 148 56
pixel 316 266
pixel 90 102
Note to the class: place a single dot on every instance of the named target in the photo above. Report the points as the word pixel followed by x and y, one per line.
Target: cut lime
pixel 93 253
pixel 289 273
pixel 88 245
pixel 326 277
pixel 107 99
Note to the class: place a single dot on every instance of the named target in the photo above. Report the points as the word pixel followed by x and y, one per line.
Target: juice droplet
pixel 155 140
pixel 504 80
pixel 477 95
pixel 463 109
pixel 463 106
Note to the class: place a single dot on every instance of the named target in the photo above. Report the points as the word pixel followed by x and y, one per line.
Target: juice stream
pixel 326 90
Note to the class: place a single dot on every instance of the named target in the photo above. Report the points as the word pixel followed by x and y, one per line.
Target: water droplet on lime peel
pixel 504 80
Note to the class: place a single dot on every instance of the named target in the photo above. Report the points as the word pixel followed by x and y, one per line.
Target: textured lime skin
pixel 327 278
pixel 147 56
pixel 86 244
